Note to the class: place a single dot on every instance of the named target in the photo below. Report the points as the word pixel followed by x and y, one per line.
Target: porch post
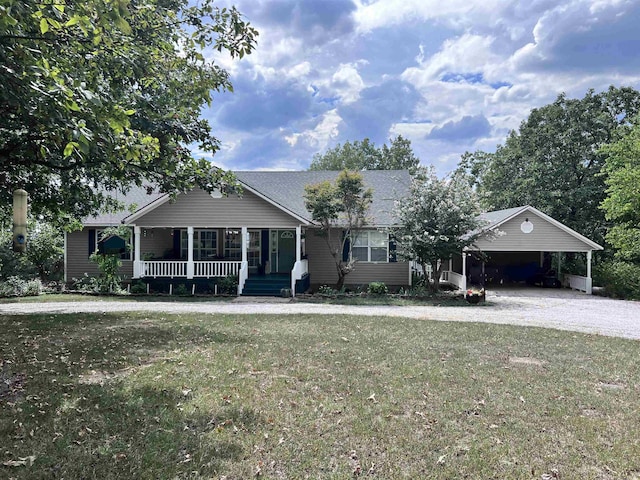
pixel 137 264
pixel 589 279
pixel 245 240
pixel 464 272
pixel 298 243
pixel 190 266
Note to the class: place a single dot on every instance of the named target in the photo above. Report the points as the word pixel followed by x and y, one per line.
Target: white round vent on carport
pixel 526 226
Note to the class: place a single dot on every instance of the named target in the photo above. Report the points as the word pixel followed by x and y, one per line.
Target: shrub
pixel 228 285
pixel 139 287
pixel 18 287
pixel 377 288
pixel 326 290
pixel 86 284
pixel 181 289
pixel 109 266
pixel 619 279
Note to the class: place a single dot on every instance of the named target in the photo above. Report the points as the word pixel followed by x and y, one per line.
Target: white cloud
pixel 320 136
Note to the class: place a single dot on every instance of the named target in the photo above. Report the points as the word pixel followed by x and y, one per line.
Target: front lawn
pixel 135 395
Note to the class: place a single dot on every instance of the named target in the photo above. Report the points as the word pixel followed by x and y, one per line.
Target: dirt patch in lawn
pixel 11 385
pixel 526 361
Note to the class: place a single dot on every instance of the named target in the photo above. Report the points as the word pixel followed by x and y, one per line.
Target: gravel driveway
pixel 561 309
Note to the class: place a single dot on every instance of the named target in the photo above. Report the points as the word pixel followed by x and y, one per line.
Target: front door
pixel 283 250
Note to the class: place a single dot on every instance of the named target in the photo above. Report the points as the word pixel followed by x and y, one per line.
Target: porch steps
pixel 266 285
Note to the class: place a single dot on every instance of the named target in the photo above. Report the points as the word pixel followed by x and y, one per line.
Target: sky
pixel 450 75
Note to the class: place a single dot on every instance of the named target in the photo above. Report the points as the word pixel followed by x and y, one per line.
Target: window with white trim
pixel 371 246
pixel 233 244
pixel 113 245
pixel 205 244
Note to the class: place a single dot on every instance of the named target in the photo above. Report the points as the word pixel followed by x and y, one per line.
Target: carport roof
pixel 497 218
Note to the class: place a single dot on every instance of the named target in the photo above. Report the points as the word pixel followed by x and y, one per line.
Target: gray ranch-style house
pixel 265 237
pixel 267 240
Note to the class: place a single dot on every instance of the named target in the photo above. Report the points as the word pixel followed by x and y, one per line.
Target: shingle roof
pixel 286 189
pixel 498 216
pixel 135 198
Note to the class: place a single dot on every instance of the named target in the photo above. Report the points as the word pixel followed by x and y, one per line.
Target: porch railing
pixel 576 282
pixel 454 279
pixel 300 268
pixel 215 269
pixel 171 269
pixel 179 269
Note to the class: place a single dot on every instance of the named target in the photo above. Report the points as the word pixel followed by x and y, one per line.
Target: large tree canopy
pixel 365 156
pixel 554 161
pixel 101 95
pixel 622 205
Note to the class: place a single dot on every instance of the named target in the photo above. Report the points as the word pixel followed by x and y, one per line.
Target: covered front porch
pixel 213 252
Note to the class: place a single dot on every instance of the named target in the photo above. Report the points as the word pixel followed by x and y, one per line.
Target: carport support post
pixel 589 282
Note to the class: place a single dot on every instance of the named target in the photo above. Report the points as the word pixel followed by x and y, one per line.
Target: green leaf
pixel 68 150
pixel 44 26
pixel 72 21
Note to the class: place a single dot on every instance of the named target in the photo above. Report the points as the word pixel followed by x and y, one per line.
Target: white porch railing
pixel 300 268
pixel 164 268
pixel 215 269
pixel 584 284
pixel 243 274
pixel 454 279
pixel 179 269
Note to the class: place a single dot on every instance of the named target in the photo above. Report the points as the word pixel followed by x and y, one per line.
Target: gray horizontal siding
pixel 198 209
pixel 322 267
pixel 78 262
pixel 545 237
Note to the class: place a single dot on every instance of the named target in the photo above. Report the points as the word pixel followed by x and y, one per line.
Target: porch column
pixel 137 264
pixel 190 266
pixel 298 243
pixel 589 288
pixel 245 241
pixel 464 272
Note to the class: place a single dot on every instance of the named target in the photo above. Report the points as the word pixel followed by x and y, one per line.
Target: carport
pixel 521 244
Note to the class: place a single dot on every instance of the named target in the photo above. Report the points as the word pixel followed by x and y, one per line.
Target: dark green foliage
pixel 554 162
pixel 43 258
pixel 619 279
pixel 100 95
pixel 377 288
pixel 228 285
pixel 365 156
pixel 138 287
pixel 181 289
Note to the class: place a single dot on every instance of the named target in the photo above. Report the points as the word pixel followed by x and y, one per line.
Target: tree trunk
pixel 340 283
pixel 435 273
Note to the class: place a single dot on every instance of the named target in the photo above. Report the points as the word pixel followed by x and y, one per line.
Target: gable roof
pixel 136 198
pixel 499 217
pixel 285 190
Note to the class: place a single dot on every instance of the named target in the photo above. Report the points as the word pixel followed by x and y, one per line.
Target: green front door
pixel 283 250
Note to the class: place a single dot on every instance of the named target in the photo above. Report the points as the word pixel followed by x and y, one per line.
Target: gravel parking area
pixel 560 309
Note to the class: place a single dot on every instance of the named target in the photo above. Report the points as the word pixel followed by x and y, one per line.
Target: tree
pixel 100 95
pixel 43 258
pixel 554 161
pixel 437 220
pixel 622 204
pixel 365 156
pixel 340 208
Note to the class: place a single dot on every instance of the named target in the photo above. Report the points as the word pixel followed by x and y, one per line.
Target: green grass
pixel 162 396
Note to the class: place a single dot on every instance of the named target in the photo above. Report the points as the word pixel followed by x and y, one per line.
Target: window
pixel 371 246
pixel 205 244
pixel 112 245
pixel 233 245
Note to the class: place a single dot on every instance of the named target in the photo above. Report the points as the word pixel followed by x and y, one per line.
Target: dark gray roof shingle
pixel 286 189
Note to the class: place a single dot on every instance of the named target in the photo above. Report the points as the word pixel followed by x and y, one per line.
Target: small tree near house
pixel 438 219
pixel 340 209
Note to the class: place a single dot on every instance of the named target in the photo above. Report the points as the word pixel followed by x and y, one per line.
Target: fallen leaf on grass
pixel 21 462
